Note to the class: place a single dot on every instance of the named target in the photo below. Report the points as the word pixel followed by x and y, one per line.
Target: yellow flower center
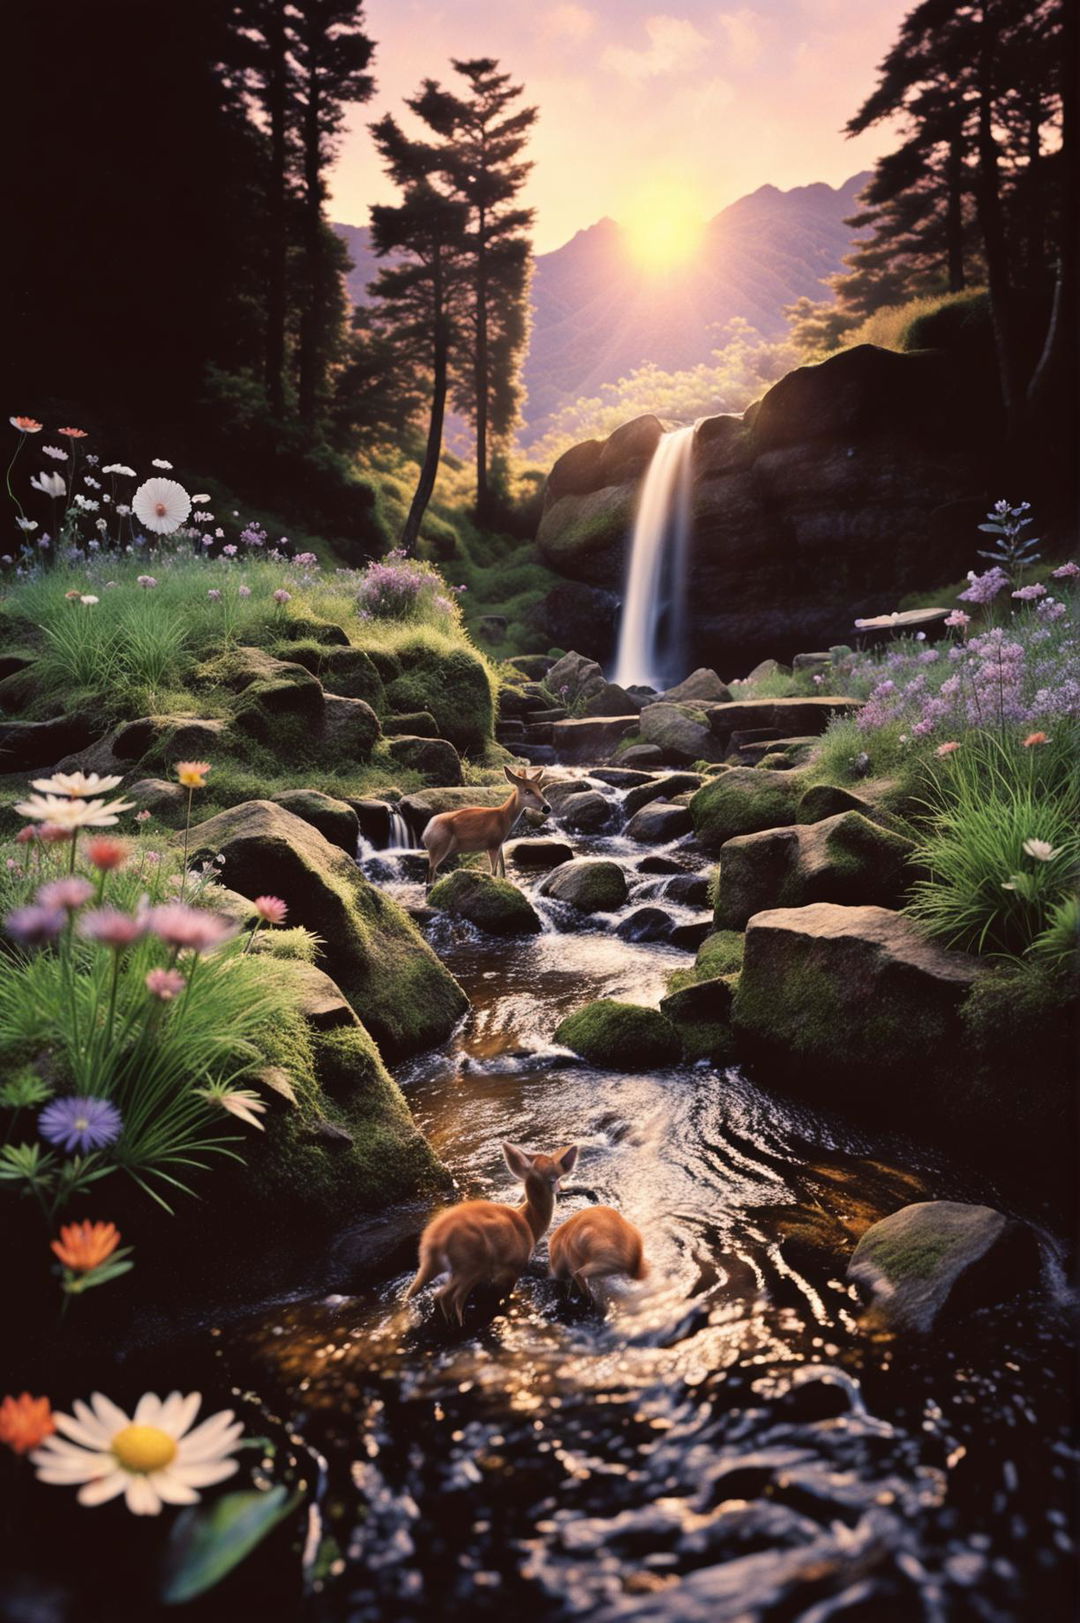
pixel 144 1448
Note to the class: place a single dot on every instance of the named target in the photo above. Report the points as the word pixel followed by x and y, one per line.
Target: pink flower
pixel 143 816
pixel 111 927
pixel 958 619
pixel 1028 594
pixel 229 551
pixel 243 591
pixel 106 854
pixel 165 983
pixel 281 595
pixel 68 893
pixel 1067 571
pixel 214 595
pixel 947 749
pixel 1035 738
pixel 189 927
pixel 271 909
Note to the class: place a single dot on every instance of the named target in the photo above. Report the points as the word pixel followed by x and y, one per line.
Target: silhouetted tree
pixel 483 135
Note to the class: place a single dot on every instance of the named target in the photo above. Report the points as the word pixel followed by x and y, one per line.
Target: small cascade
pixel 400 839
pixel 652 635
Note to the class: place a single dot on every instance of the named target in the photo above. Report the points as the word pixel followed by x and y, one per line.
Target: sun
pixel 662 225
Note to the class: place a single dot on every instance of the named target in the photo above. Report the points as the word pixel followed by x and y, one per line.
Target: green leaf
pixel 206 1544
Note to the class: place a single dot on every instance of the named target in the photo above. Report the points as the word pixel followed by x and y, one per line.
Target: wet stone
pixel 659 822
pixel 690 935
pixel 645 924
pixel 688 890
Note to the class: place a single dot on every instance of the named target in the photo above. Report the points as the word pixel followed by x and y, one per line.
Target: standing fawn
pixel 482 1242
pixel 595 1244
pixel 483 828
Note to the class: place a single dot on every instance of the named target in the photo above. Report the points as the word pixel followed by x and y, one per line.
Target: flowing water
pixel 720 1442
pixel 652 640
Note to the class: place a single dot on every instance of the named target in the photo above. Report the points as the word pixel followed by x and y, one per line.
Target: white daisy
pixel 241 1102
pixel 71 814
pixel 153 1458
pixel 1041 850
pixel 50 484
pixel 161 505
pixel 77 784
pixel 160 462
pixel 117 467
pixel 55 452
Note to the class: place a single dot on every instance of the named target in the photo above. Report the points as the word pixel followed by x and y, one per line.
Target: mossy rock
pixel 720 955
pixel 435 758
pixel 385 662
pixel 743 800
pixel 621 1036
pixel 282 715
pixel 701 1013
pixel 592 886
pixel 584 535
pixel 310 629
pixel 333 818
pixel 238 669
pixel 842 859
pixel 160 741
pixel 391 977
pixel 493 905
pixel 346 671
pixel 415 724
pixel 453 685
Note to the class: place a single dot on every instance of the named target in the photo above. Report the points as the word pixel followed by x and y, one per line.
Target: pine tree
pixel 419 293
pixel 483 135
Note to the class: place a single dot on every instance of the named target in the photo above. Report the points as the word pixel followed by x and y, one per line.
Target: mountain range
pixel 598 315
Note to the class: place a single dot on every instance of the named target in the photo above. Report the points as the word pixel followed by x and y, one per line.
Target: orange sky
pixel 635 96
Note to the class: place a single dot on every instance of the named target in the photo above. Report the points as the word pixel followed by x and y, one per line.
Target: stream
pixel 721 1442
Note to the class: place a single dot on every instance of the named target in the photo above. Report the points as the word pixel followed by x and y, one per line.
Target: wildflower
pixel 112 927
pixel 165 984
pixel 146 581
pixel 25 1422
pixel 152 1458
pixel 1067 571
pixel 281 595
pixel 123 509
pixel 78 785
pixel 27 525
pixel 91 483
pixel 271 909
pixel 189 927
pixel 1050 609
pixel 1041 850
pixel 947 749
pixel 89 599
pixel 241 1102
pixel 33 926
pixel 161 504
pixel 958 619
pixel 1028 594
pixel 1035 738
pixel 143 816
pixel 118 467
pixel 52 835
pixel 984 588
pixel 153 856
pixel 73 814
pixel 214 595
pixel 55 452
pixel 243 591
pixel 73 433
pixel 207 540
pixel 26 425
pixel 160 462
pixel 192 773
pixel 69 893
pixel 201 497
pixel 229 551
pixel 27 833
pixel 50 484
pixel 78 1125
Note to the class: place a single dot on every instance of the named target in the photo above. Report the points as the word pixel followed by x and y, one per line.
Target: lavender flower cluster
pixel 398 587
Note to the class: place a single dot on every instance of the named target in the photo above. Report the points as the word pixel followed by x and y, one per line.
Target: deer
pixel 597 1243
pixel 483 828
pixel 482 1242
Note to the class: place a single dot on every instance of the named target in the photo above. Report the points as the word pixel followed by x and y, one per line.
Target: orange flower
pixel 26 425
pixel 70 595
pixel 83 1246
pixel 106 854
pixel 73 433
pixel 25 1422
pixel 1035 738
pixel 192 774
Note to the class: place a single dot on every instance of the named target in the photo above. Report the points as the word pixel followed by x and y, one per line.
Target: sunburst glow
pixel 663 225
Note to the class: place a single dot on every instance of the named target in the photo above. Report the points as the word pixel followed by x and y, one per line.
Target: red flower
pixel 1035 738
pixel 73 433
pixel 26 425
pixel 106 854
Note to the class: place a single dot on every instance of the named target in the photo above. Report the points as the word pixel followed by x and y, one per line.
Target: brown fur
pixel 483 828
pixel 597 1243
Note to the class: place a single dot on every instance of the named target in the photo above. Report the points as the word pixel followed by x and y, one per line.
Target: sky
pixel 639 99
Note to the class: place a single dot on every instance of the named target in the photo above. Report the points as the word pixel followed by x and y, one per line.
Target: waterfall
pixel 399 833
pixel 652 634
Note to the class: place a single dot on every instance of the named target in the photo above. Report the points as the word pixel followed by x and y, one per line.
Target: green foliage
pixel 1002 845
pixel 720 955
pixel 205 1544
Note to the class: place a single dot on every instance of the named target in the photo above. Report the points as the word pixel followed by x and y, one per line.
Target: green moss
pixel 297 945
pixel 706 1039
pixel 493 905
pixel 906 1256
pixel 452 683
pixel 719 956
pixel 334 820
pixel 621 1036
pixel 349 672
pixel 593 885
pixel 744 800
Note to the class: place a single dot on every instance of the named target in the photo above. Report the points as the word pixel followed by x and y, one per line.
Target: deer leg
pixel 493 863
pixel 429 1268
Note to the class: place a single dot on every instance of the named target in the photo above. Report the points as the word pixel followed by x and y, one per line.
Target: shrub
pixel 401 588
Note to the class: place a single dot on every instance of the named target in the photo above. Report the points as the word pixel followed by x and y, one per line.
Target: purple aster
pixel 80 1124
pixel 31 926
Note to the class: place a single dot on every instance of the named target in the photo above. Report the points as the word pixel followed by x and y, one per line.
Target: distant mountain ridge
pixel 597 315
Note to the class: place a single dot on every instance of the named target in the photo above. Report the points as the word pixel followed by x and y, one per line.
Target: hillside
pixel 597 315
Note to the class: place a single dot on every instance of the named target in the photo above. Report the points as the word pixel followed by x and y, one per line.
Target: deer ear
pixel 566 1160
pixel 518 1161
pixel 512 777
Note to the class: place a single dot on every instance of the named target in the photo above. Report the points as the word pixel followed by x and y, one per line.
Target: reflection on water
pixel 719 1442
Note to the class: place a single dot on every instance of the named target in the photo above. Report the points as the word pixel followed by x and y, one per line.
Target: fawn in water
pixel 483 828
pixel 596 1244
pixel 482 1242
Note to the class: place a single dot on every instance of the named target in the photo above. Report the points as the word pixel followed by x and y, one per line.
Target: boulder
pixel 538 854
pixel 842 859
pixel 679 732
pixel 742 801
pixel 645 924
pixel 938 1259
pixel 592 885
pixel 777 754
pixel 534 667
pixel 701 1014
pixel 157 795
pixel 611 700
pixel 658 822
pixel 575 678
pixel 435 758
pixel 584 537
pixel 853 1002
pixel 687 889
pixel 310 629
pixel 417 724
pixel 662 788
pixel 702 686
pixel 586 812
pixel 789 716
pixel 690 934
pixel 824 800
pixel 28 746
pixel 389 974
pixel 348 732
pixel 493 905
pixel 240 668
pixel 161 741
pixel 348 672
pixel 453 684
pixel 587 617
pixel 642 755
pixel 335 820
pixel 621 1036
pixel 621 777
pixel 592 739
